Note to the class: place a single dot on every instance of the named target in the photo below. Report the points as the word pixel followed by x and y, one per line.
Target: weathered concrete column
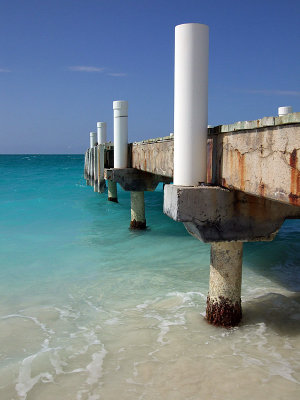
pixel 91 166
pixel 138 220
pixel 224 298
pixel 86 167
pixel 112 194
pixel 95 151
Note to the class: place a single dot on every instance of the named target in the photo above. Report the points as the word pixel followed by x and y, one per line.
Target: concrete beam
pixel 260 157
pixel 155 156
pixel 214 214
pixel 134 180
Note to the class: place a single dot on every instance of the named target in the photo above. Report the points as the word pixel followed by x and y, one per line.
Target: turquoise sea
pixel 91 310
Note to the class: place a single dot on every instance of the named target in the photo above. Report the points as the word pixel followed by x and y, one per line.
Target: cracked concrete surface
pixel 262 162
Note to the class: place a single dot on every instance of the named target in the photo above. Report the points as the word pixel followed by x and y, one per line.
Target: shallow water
pixel 91 310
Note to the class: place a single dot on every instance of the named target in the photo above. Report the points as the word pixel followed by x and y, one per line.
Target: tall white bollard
pixel 93 139
pixel 120 133
pixel 190 103
pixel 284 110
pixel 101 132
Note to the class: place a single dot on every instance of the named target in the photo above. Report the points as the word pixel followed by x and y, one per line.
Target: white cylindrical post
pixel 93 139
pixel 120 133
pixel 284 110
pixel 190 103
pixel 101 132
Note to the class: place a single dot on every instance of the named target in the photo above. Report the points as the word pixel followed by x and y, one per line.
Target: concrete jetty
pixel 231 183
pixel 253 185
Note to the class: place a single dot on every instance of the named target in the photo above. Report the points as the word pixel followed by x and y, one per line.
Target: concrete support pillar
pixel 85 173
pixel 88 168
pixel 100 168
pixel 138 220
pixel 95 151
pixel 112 191
pixel 101 138
pixel 224 298
pixel 92 166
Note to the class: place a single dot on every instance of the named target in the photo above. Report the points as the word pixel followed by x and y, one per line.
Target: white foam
pixel 96 308
pixel 94 397
pixel 94 369
pixel 25 382
pixel 57 363
pixel 34 319
pixel 165 324
pixel 147 303
pixel 67 313
pixel 91 337
pixel 187 296
pixel 113 321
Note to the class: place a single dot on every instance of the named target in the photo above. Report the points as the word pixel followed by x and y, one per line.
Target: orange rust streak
pixel 294 196
pixel 241 169
pixel 209 161
pixel 262 189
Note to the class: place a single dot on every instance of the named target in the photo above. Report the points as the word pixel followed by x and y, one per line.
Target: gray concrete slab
pixel 132 179
pixel 215 214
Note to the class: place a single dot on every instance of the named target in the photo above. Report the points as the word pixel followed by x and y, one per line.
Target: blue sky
pixel 62 63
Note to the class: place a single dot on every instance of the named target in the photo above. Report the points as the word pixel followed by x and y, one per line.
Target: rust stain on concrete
pixel 241 168
pixel 294 197
pixel 262 189
pixel 209 160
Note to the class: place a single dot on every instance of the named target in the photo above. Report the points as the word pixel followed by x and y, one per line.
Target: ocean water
pixel 91 310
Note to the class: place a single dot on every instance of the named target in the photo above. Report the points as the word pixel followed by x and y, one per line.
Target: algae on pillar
pixel 138 220
pixel 224 298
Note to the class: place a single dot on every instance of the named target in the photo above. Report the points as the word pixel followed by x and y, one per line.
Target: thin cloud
pixel 4 70
pixel 85 68
pixel 275 92
pixel 117 74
